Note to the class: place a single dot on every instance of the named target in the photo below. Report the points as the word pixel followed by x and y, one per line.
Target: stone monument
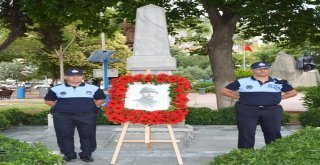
pixel 151 48
pixel 284 67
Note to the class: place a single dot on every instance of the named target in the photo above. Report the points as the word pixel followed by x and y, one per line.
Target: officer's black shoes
pixel 86 158
pixel 69 158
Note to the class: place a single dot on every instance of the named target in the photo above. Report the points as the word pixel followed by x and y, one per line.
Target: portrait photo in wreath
pixel 147 97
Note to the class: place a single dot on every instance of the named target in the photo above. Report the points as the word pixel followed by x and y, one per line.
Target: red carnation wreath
pixel 178 90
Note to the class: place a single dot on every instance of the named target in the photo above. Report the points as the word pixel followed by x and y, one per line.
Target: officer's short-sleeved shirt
pixel 254 92
pixel 75 99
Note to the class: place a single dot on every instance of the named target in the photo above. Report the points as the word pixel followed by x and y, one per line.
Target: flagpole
pixel 244 57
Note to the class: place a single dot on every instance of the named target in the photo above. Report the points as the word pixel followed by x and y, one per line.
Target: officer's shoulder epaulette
pixel 280 81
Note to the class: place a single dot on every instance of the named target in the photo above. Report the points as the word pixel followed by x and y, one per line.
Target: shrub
pixel 14 115
pixel 4 122
pixel 36 118
pixel 303 147
pixel 311 97
pixel 285 118
pixel 196 116
pixel 15 152
pixel 310 117
pixel 241 73
pixel 209 86
pixel 207 116
pixel 301 89
pixel 226 116
pixel 199 116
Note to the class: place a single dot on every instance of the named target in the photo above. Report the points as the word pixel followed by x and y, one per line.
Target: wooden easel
pixel 147 140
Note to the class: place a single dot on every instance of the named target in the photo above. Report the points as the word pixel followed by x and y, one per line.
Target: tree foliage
pixel 289 23
pixel 278 21
pixel 46 64
pixel 286 22
pixel 50 17
pixel 194 73
pixel 122 53
pixel 185 59
pixel 13 70
pixel 193 67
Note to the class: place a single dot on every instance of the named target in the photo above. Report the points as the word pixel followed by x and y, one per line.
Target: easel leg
pixel 148 136
pixel 174 143
pixel 117 150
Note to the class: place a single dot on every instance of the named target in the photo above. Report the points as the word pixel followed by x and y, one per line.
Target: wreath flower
pixel 177 111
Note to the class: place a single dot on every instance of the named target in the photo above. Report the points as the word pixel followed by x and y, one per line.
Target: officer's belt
pixel 261 107
pixel 76 113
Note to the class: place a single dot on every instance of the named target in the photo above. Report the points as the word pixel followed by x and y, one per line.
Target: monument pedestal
pixel 307 79
pixel 157 64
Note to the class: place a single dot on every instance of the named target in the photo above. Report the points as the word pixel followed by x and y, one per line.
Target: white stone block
pixel 50 120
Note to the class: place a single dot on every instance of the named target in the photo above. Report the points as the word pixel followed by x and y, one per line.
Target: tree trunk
pixel 13 35
pixel 17 21
pixel 51 36
pixel 220 54
pixel 128 31
pixel 60 54
pixel 220 50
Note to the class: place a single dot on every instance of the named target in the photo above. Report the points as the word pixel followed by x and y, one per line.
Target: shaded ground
pixel 197 147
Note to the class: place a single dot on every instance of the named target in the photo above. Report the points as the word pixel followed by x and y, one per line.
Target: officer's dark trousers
pixel 247 119
pixel 65 123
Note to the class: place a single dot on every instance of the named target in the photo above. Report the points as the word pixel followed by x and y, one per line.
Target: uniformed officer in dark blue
pixel 75 106
pixel 259 97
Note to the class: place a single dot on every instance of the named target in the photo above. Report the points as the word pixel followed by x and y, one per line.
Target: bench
pixel 5 94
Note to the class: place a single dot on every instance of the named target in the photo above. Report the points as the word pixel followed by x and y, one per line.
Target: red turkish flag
pixel 247 48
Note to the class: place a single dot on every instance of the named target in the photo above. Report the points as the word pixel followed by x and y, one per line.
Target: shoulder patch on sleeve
pixel 280 81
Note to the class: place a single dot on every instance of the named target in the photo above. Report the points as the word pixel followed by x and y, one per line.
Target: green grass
pixel 25 105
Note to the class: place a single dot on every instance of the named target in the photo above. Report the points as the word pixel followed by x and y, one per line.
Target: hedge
pixel 311 97
pixel 311 117
pixel 303 147
pixel 4 122
pixel 14 115
pixel 196 116
pixel 226 116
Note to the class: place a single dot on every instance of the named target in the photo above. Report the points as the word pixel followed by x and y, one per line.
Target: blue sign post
pixel 104 57
pixel 105 74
